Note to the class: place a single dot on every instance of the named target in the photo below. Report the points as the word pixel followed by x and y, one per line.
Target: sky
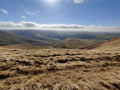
pixel 60 14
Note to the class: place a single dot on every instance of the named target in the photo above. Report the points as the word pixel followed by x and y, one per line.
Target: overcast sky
pixel 83 15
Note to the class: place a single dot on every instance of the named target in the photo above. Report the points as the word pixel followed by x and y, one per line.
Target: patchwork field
pixel 59 69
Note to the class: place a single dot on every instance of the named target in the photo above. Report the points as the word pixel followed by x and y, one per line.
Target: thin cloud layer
pixel 4 11
pixel 62 27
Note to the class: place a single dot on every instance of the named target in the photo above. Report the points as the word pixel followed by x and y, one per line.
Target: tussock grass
pixel 59 69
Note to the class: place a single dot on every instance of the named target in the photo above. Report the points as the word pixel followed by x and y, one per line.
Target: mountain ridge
pixel 108 43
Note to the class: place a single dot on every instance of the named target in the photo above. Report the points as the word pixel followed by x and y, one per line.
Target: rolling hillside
pixel 59 39
pixel 113 43
pixel 10 39
pixel 73 43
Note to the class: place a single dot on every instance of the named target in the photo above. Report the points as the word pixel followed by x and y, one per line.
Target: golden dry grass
pixel 59 69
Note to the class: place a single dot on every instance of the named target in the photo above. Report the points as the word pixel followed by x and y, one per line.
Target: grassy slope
pixel 75 43
pixel 115 42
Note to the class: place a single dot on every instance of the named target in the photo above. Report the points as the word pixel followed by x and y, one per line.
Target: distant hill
pixel 10 39
pixel 35 34
pixel 113 43
pixel 73 43
pixel 56 39
pixel 51 35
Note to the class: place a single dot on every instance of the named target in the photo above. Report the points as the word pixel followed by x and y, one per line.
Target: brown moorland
pixel 61 69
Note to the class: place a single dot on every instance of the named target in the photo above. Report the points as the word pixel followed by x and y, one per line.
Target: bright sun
pixel 51 1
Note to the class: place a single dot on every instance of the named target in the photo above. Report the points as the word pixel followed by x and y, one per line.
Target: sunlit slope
pixel 113 43
pixel 73 43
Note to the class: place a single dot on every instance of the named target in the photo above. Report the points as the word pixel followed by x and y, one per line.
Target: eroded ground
pixel 59 69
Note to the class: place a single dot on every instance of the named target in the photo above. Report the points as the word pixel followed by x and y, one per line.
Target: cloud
pixel 62 27
pixel 4 11
pixel 23 17
pixel 31 13
pixel 7 24
pixel 79 1
pixel 29 24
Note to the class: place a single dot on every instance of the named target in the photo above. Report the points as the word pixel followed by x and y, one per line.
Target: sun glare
pixel 51 1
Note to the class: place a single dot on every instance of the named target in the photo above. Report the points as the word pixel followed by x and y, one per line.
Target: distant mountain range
pixel 55 39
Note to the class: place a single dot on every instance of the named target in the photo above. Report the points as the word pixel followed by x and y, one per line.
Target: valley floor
pixel 59 69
